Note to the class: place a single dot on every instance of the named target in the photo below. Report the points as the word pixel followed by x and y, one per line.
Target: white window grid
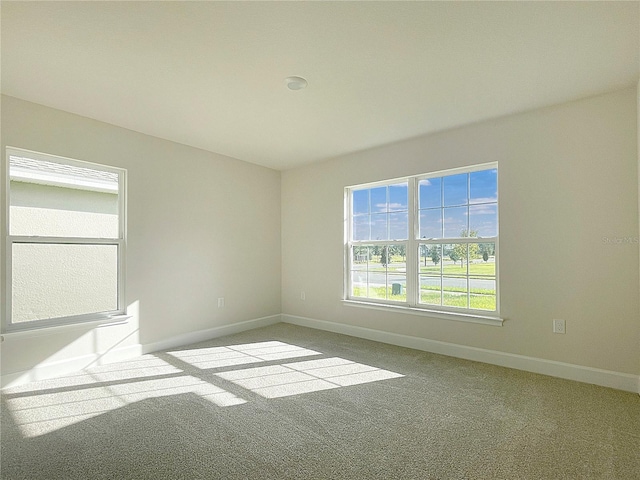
pixel 412 246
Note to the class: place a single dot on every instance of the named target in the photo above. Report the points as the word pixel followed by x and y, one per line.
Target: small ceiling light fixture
pixel 295 83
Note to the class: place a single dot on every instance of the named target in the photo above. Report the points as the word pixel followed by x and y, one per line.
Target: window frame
pixel 412 245
pixel 119 242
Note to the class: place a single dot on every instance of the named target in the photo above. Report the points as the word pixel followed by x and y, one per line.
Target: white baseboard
pixel 58 368
pixel 208 334
pixel 605 378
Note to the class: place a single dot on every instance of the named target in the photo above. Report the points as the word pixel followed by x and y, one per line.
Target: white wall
pixel 203 225
pixel 200 226
pixel 568 186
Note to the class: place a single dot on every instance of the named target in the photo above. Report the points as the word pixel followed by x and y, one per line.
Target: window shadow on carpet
pixel 220 375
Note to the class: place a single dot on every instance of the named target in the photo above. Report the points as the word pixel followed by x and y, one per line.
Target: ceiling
pixel 211 74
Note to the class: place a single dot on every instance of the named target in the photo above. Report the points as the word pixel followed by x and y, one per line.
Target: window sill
pixel 458 317
pixel 44 330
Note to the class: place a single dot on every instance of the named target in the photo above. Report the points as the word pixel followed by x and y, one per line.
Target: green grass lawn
pixel 479 291
pixel 398 264
pixel 450 298
pixel 450 269
pixel 379 293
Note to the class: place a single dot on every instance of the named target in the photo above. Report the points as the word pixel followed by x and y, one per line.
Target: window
pixel 65 240
pixel 426 242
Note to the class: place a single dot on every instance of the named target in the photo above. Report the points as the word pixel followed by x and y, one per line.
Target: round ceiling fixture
pixel 295 83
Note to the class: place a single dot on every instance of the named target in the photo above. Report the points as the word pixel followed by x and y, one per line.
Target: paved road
pixel 379 279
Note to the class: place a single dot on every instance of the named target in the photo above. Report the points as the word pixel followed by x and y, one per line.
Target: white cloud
pixel 397 206
pixel 381 207
pixel 484 199
pixel 484 209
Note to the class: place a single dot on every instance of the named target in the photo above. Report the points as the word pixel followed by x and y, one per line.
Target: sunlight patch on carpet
pixel 43 407
pixel 303 377
pixel 218 357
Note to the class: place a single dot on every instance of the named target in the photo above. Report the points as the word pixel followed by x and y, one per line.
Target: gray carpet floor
pixel 286 402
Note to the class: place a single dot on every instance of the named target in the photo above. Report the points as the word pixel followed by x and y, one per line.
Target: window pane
pixel 360 258
pixel 398 197
pixel 396 273
pixel 377 291
pixel 454 291
pixel 483 186
pixel 483 293
pixel 396 259
pixel 396 288
pixel 359 284
pixel 360 202
pixel 431 223
pixel 55 280
pixel 379 271
pixel 398 226
pixel 455 222
pixel 380 260
pixel 378 200
pixel 431 290
pixel 430 193
pixel 393 257
pixel 55 200
pixel 482 286
pixel 430 258
pixel 484 260
pixel 361 227
pixel 483 302
pixel 363 260
pixel 474 253
pixel 455 190
pixel 483 219
pixel 379 227
pixel 454 259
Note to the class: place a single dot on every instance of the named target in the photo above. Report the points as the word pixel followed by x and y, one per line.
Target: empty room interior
pixel 320 240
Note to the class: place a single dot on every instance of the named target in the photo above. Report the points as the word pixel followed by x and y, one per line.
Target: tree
pixel 424 251
pixel 454 254
pixel 489 248
pixel 485 256
pixel 435 254
pixel 402 251
pixel 460 250
pixel 384 260
pixel 397 250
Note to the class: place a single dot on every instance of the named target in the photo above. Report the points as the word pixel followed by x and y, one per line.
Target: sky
pixel 447 206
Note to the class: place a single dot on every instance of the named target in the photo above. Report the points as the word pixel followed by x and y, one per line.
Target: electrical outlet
pixel 220 302
pixel 559 326
pixel 303 296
